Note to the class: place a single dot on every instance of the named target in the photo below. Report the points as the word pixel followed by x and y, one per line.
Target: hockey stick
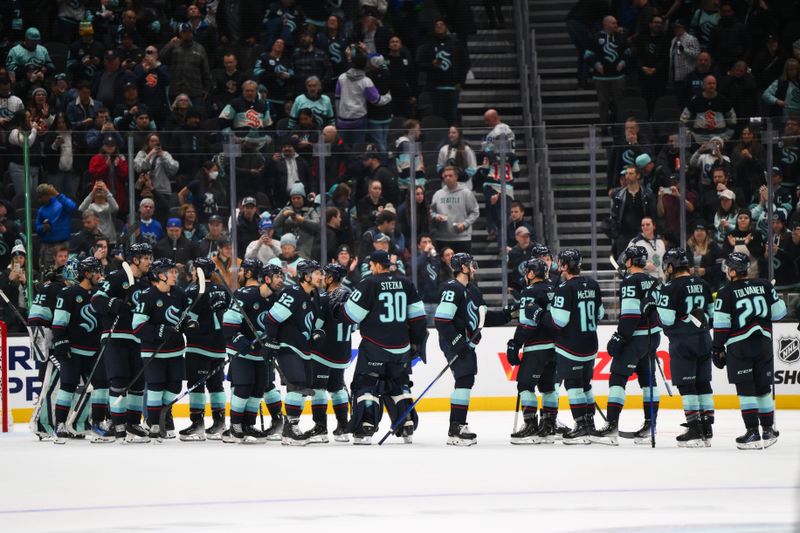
pixel 602 414
pixel 201 282
pixel 87 388
pixel 650 379
pixel 663 376
pixel 516 413
pixel 401 419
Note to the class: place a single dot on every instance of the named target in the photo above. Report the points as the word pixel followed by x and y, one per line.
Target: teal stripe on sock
pixel 99 396
pixel 252 405
pixel 748 403
pixel 646 394
pixel 238 404
pixel 320 397
pixel 197 401
pixel 272 396
pixel 168 396
pixel 576 396
pixel 460 396
pixel 550 400
pixel 528 399
pixel 64 398
pixel 295 399
pixel 765 404
pixel 118 409
pixel 690 402
pixel 589 395
pixel 154 398
pixel 217 400
pixel 616 394
pixel 339 397
pixel 134 402
pixel 706 402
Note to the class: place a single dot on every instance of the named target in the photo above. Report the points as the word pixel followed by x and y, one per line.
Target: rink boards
pixel 494 387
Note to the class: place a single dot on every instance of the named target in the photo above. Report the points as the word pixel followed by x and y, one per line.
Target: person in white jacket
pixel 353 90
pixel 265 247
pixel 454 210
pixel 654 244
pixel 158 162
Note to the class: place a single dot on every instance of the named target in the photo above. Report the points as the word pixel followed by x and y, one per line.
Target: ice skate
pixel 363 435
pixel 194 433
pixel 578 435
pixel 102 433
pixel 291 435
pixel 318 434
pixel 214 432
pixel 751 440
pixel 460 435
pixel 136 434
pixel 339 434
pixel 526 434
pixel 769 436
pixel 276 428
pixel 693 436
pixel 608 435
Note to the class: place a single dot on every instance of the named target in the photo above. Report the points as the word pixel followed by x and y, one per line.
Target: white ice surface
pixel 211 487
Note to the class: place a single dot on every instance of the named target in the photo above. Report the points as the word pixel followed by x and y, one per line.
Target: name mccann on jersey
pixel 390 285
pixel 586 294
pixel 747 291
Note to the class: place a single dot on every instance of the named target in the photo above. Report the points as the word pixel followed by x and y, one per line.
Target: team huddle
pixel 119 349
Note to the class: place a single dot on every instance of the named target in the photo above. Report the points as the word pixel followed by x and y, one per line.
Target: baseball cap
pixel 727 193
pixel 108 140
pixel 185 27
pixel 643 160
pixel 215 218
pixel 249 200
pixel 32 34
pixel 381 237
pixel 174 223
pixel 700 225
pixel 381 257
pixel 110 54
pixel 777 170
pixel 344 248
pixel 223 242
pixel 779 215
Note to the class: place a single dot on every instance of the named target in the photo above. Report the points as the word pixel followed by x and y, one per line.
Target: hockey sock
pixel 577 403
pixel 691 407
pixel 459 405
pixel 99 405
pixel 647 400
pixel 118 411
pixel 527 400
pixel 706 399
pixel 166 399
pixel 340 405
pixel 217 400
pixel 273 400
pixel 251 410
pixel 590 405
pixel 63 403
pixel 154 399
pixel 83 416
pixel 766 410
pixel 238 406
pixel 319 407
pixel 197 403
pixel 550 402
pixel 294 404
pixel 750 410
pixel 616 401
pixel 133 403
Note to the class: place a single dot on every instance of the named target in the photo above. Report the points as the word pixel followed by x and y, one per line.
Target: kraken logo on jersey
pixel 309 322
pixel 335 52
pixel 261 320
pixel 472 312
pixel 610 52
pixel 431 272
pixel 789 156
pixel 90 322
pixel 135 297
pixel 172 315
pixel 444 57
pixel 628 157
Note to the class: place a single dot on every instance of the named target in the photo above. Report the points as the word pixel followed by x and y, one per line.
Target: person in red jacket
pixel 111 167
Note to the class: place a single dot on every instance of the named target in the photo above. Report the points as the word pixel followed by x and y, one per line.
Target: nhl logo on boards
pixel 789 349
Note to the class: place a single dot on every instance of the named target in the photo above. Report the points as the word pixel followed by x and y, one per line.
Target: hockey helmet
pixel 738 262
pixel 336 271
pixel 138 249
pixel 271 269
pixel 253 266
pixel 206 265
pixel 306 268
pixel 540 250
pixel 676 257
pixel 70 270
pixel 89 265
pixel 160 266
pixel 570 257
pixel 537 266
pixel 461 259
pixel 637 255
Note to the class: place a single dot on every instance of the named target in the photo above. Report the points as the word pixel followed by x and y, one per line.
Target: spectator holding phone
pixel 53 221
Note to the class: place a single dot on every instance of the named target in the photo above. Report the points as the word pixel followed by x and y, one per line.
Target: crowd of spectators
pixel 724 69
pixel 108 94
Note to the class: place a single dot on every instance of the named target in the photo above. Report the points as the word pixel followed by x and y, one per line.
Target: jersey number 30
pixel 394 304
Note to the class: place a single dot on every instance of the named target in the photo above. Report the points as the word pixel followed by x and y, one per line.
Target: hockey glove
pixel 271 347
pixel 317 336
pixel 417 352
pixel 511 311
pixel 188 325
pixel 218 304
pixel 337 299
pixel 241 344
pixel 459 345
pixel 512 353
pixel 615 344
pixel 59 352
pixel 718 357
pixel 533 313
pixel 118 305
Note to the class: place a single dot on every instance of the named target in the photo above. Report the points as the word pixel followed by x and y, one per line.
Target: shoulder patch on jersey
pixel 159 303
pixel 304 305
pixel 256 306
pixel 125 284
pixel 79 299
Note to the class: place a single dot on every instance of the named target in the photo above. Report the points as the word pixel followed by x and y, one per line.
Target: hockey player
pixel 743 316
pixel 576 308
pixel 391 319
pixel 114 301
pixel 205 350
pixel 456 321
pixel 248 369
pixel 272 276
pixel 541 251
pixel 537 366
pixel 632 348
pixel 159 321
pixel 331 357
pixel 289 328
pixel 40 318
pixel 683 300
pixel 76 341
